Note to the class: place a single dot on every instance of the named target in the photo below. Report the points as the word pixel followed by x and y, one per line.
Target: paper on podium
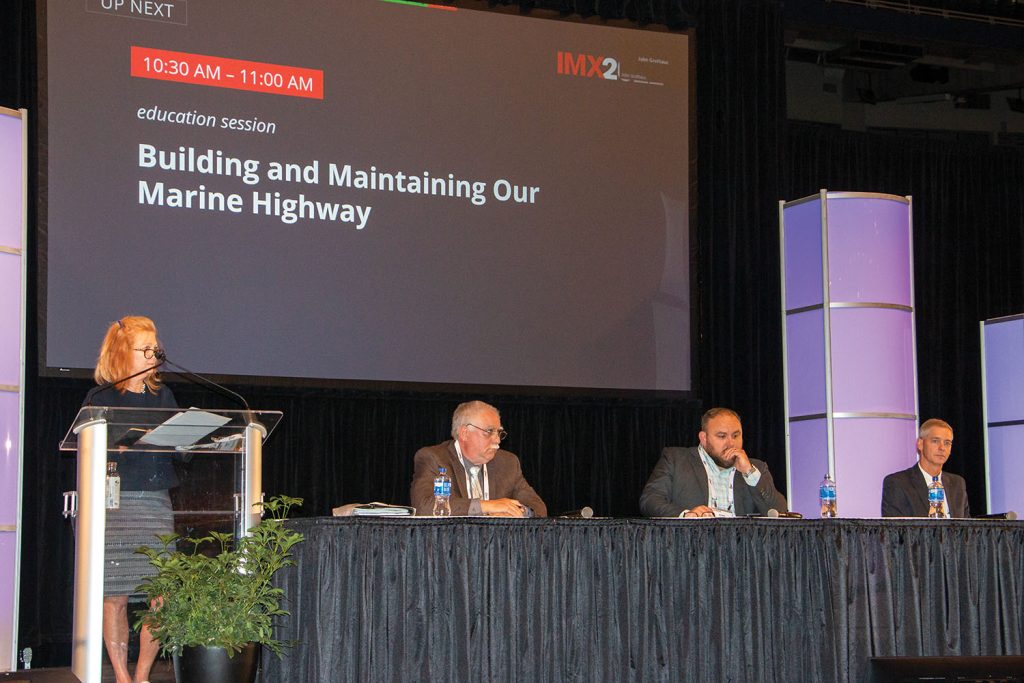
pixel 184 428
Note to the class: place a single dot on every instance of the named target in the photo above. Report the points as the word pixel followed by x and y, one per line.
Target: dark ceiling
pixel 962 50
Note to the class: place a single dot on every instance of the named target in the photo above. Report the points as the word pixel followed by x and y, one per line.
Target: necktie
pixel 474 483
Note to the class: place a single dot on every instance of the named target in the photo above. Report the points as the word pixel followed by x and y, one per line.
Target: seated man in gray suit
pixel 905 493
pixel 485 479
pixel 715 478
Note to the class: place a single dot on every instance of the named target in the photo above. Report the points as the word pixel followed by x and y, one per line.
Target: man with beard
pixel 714 479
pixel 485 479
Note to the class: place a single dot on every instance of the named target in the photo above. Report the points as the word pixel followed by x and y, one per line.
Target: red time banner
pixel 221 72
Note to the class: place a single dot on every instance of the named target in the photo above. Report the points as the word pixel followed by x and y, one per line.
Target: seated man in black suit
pixel 715 478
pixel 905 493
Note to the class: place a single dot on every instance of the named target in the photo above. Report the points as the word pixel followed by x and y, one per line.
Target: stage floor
pixel 163 672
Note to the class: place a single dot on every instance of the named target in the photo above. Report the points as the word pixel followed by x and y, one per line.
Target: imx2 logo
pixel 587 66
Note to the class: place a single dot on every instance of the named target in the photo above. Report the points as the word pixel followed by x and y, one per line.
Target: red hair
pixel 115 359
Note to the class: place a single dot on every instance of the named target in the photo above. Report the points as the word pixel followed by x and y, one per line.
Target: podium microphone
pixel 1009 515
pixel 196 378
pixel 110 385
pixel 585 512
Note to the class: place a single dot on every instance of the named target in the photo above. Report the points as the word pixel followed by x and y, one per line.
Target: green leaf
pixel 225 598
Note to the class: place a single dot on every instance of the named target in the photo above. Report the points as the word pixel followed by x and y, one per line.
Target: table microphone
pixel 772 512
pixel 585 512
pixel 1008 515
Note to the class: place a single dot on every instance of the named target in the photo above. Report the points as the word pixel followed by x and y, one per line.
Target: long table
pixel 479 599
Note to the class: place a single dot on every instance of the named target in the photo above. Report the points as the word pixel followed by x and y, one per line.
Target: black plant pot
pixel 212 665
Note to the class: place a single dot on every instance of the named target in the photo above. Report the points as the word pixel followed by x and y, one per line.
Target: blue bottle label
pixel 442 486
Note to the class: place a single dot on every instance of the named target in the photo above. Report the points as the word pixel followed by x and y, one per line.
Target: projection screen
pixel 369 191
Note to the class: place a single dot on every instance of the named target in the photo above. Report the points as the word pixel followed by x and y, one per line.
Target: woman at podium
pixel 126 375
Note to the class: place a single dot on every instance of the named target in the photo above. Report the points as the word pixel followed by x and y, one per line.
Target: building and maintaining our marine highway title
pixel 210 163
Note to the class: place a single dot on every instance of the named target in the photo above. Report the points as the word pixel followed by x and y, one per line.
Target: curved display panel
pixel 851 382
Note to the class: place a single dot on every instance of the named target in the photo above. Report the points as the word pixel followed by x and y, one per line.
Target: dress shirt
pixel 720 483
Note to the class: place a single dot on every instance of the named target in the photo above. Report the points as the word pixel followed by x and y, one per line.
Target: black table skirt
pixel 643 600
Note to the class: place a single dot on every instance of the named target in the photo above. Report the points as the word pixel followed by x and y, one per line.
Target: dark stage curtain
pixel 740 109
pixel 643 600
pixel 17 47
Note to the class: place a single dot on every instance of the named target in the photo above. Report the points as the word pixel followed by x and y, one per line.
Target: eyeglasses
pixel 150 352
pixel 491 432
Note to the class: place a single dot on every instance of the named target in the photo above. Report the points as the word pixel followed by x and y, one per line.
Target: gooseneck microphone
pixel 196 378
pixel 110 385
pixel 585 512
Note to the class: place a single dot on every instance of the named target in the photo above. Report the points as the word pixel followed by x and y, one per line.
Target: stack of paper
pixel 382 510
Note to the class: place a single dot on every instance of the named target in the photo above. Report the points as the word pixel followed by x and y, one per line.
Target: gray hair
pixel 928 425
pixel 464 414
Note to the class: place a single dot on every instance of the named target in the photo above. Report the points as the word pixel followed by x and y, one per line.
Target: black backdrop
pixel 340 445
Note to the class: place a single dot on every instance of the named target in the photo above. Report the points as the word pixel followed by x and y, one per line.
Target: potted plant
pixel 216 604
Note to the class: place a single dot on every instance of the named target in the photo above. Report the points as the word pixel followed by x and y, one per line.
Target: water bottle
pixel 113 487
pixel 827 496
pixel 936 499
pixel 442 494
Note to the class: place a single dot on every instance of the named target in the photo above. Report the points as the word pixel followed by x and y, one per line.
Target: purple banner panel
pixel 867 449
pixel 8 563
pixel 802 237
pixel 805 362
pixel 9 449
pixel 12 230
pixel 808 464
pixel 11 188
pixel 872 361
pixel 10 319
pixel 1004 370
pixel 869 250
pixel 1005 470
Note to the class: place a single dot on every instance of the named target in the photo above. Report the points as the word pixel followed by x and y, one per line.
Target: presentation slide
pixel 369 191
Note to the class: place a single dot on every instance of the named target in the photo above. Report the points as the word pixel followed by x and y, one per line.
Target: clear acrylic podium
pixel 220 456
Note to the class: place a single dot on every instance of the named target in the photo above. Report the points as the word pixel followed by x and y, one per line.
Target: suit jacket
pixel 904 494
pixel 680 482
pixel 504 476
